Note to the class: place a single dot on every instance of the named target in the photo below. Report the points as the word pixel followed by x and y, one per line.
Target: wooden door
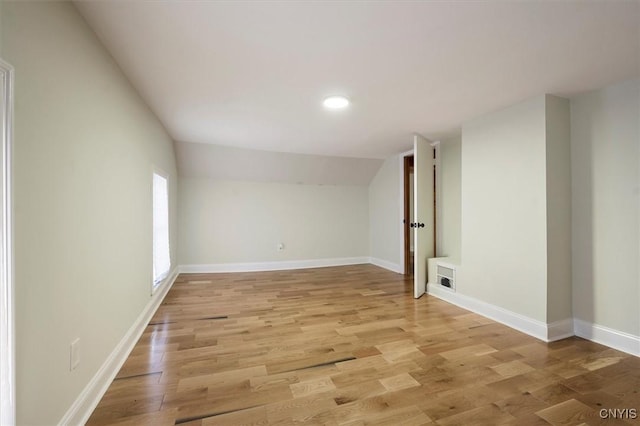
pixel 423 212
pixel 408 215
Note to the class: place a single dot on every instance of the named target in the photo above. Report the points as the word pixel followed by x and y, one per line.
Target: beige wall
pixel 605 139
pixel 84 148
pixel 504 209
pixel 450 198
pixel 558 158
pixel 200 160
pixel 1 13
pixel 243 222
pixel 385 214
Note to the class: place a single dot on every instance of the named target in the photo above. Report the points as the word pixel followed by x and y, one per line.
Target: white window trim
pixel 7 332
pixel 155 285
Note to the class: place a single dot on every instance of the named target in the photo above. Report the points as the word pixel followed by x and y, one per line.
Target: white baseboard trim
pixel 615 339
pixel 559 330
pixel 272 266
pixel 86 402
pixel 394 267
pixel 511 319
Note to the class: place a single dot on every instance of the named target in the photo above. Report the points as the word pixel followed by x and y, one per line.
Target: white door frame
pixel 7 333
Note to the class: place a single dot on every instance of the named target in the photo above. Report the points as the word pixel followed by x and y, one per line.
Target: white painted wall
pixel 450 172
pixel 198 160
pixel 605 151
pixel 243 222
pixel 386 208
pixel 504 209
pixel 1 13
pixel 84 148
pixel 558 159
pixel 385 215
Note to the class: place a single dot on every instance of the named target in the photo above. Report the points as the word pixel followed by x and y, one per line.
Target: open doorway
pixel 408 215
pixel 409 210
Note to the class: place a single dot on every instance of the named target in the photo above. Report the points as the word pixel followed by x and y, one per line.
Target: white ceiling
pixel 254 74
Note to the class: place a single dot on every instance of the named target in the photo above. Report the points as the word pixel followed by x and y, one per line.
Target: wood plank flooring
pixel 350 346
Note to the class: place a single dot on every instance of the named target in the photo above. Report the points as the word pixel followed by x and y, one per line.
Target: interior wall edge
pixel 81 409
pixel 393 267
pixel 551 332
pixel 287 265
pixel 561 329
pixel 522 323
pixel 610 337
pixel 271 266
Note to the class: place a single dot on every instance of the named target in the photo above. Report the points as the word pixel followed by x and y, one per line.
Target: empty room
pixel 319 212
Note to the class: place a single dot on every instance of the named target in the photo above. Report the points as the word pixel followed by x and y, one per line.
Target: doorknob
pixel 420 225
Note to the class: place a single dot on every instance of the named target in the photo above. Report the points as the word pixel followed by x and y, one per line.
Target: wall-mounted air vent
pixel 447 276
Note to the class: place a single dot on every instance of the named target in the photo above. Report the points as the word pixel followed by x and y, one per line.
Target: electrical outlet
pixel 280 246
pixel 74 358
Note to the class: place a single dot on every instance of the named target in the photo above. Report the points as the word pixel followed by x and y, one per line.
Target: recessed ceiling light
pixel 336 102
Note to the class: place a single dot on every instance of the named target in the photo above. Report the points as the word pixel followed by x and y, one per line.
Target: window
pixel 161 250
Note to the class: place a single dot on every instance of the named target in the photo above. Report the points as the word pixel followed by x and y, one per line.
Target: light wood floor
pixel 349 345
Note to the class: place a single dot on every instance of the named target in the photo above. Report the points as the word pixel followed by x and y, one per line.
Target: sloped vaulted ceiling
pixel 254 74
